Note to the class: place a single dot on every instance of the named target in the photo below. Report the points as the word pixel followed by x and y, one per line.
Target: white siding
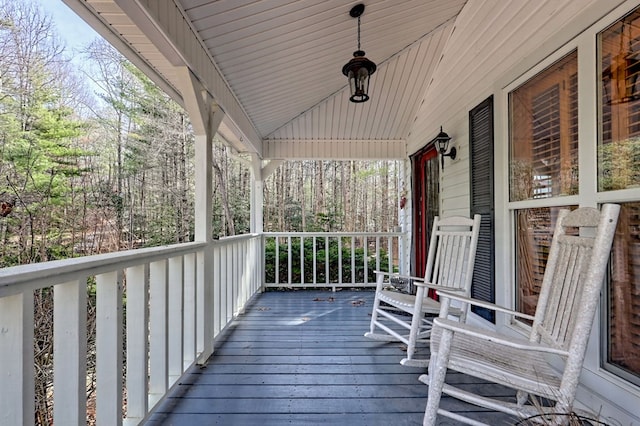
pixel 493 44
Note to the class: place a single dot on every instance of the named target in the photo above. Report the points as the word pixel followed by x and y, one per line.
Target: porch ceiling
pixel 279 62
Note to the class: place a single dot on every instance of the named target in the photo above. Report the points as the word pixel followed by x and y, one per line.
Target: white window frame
pixel 594 375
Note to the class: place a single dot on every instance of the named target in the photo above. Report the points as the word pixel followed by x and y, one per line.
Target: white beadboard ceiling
pixel 282 59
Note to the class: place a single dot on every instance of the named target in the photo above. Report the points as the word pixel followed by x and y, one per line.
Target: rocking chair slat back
pixel 561 301
pixel 407 318
pixel 451 251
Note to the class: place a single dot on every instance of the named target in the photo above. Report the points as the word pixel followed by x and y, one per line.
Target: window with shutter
pixel 481 157
pixel 619 168
pixel 543 163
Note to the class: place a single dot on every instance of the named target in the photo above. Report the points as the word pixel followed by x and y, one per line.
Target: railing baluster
pixel 365 259
pixel 242 256
pixel 378 253
pixel 302 278
pixel 109 348
pixel 290 269
pixel 176 318
pixel 390 257
pixel 190 303
pixel 137 342
pixel 70 352
pixel 219 291
pixel 353 260
pixel 206 327
pixel 17 394
pixel 236 278
pixel 277 270
pixel 158 356
pixel 315 261
pixel 339 260
pixel 326 260
pixel 227 276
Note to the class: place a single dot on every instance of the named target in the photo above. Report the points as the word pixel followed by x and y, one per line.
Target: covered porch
pixel 202 340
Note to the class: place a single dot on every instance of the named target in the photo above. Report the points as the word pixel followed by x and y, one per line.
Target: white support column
pixel 109 348
pixel 259 173
pixel 70 353
pixel 206 117
pixel 257 195
pixel 137 343
pixel 16 360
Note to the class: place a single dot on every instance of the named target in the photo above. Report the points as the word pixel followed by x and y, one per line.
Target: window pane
pixel 534 232
pixel 619 141
pixel 623 298
pixel 543 145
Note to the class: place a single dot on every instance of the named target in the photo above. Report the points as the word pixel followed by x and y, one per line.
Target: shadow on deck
pixel 300 358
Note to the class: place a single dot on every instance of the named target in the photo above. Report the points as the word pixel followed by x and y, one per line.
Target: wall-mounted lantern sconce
pixel 442 142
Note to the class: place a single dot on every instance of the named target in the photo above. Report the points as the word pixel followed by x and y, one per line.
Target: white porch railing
pixel 178 298
pixel 333 259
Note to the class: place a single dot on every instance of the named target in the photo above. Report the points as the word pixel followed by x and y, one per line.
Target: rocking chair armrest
pixel 438 288
pixel 482 304
pixel 492 336
pixel 398 275
pixel 417 281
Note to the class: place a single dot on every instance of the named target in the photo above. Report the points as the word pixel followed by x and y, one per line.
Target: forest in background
pixel 101 160
pixel 96 159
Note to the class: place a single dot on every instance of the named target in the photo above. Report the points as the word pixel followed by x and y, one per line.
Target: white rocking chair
pixel 452 252
pixel 560 330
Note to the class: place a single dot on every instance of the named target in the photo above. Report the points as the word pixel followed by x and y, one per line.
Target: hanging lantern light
pixel 359 69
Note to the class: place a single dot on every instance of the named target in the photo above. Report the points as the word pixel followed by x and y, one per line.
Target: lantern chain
pixel 358 32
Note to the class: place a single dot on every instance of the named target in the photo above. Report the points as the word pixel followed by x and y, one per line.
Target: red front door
pixel 426 203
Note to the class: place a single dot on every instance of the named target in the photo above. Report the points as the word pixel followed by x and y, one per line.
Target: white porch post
pixel 260 173
pixel 206 117
pixel 257 195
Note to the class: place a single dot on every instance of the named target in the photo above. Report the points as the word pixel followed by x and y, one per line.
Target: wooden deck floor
pixel 300 358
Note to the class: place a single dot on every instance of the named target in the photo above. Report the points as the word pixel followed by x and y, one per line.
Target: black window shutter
pixel 481 159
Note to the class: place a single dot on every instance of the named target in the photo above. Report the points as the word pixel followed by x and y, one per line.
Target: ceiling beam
pixel 331 149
